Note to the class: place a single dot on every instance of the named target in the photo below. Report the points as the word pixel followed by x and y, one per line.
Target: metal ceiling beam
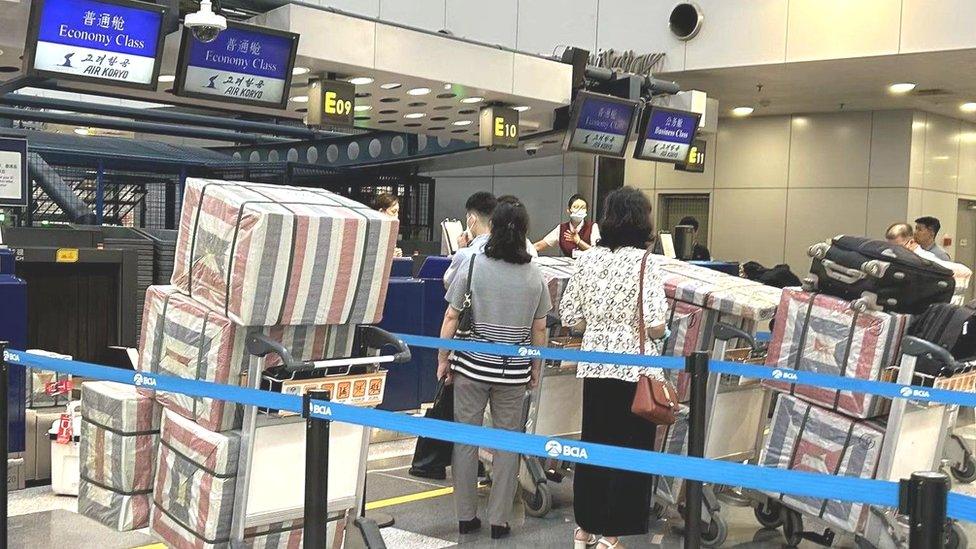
pixel 135 126
pixel 165 116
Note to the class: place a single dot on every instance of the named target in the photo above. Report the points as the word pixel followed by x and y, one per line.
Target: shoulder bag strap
pixel 467 290
pixel 642 329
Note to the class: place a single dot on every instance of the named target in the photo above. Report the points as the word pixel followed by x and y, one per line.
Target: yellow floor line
pixel 399 500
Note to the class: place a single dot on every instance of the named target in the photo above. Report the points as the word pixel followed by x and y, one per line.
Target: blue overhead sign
pixel 600 124
pixel 245 64
pixel 117 41
pixel 666 135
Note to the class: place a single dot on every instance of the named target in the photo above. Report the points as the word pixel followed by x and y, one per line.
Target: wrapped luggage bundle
pixel 183 338
pixel 729 295
pixel 671 439
pixel 120 433
pixel 267 255
pixel 685 323
pixel 556 272
pixel 805 437
pixel 828 335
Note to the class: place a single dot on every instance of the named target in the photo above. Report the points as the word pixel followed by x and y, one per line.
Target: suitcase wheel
pixel 809 283
pixel 873 268
pixel 818 250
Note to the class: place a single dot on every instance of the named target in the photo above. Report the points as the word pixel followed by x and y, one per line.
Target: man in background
pixel 901 234
pixel 926 229
pixel 700 252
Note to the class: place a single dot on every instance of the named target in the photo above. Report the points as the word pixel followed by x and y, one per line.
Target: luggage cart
pixel 270 484
pixel 909 445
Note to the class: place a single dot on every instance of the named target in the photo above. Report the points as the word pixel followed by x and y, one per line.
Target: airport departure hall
pixel 588 274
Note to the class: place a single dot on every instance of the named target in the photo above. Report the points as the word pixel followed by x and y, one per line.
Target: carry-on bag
pixel 431 456
pixel 893 277
pixel 952 327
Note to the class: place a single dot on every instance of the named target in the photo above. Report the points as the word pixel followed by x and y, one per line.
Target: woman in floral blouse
pixel 601 299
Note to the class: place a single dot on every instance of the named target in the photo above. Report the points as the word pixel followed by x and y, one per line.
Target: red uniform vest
pixel 567 245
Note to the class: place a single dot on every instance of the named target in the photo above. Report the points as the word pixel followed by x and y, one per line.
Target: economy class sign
pixel 111 41
pixel 245 64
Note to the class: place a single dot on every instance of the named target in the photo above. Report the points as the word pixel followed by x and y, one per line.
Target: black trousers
pixel 612 502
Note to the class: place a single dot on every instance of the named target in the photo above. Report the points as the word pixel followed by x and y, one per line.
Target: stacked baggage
pixel 300 266
pixel 556 272
pixel 856 327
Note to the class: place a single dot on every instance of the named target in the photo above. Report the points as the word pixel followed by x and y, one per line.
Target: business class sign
pixel 245 64
pixel 108 41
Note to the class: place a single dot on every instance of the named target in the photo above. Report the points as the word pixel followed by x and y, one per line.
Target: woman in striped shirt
pixel 509 301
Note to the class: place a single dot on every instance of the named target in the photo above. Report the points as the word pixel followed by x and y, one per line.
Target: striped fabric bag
pixel 266 255
pixel 193 499
pixel 182 338
pixel 556 272
pixel 119 436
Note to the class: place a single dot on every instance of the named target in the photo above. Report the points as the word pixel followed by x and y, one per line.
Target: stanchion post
pixel 696 366
pixel 4 424
pixel 923 498
pixel 316 474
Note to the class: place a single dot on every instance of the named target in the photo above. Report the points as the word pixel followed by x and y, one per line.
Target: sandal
pixel 604 543
pixel 584 543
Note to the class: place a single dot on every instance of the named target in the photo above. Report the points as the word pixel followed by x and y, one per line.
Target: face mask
pixel 577 216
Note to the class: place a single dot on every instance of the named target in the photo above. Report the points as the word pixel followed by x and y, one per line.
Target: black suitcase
pixel 891 276
pixel 952 327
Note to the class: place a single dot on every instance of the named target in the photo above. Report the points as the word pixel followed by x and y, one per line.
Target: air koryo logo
pixel 785 376
pixel 140 380
pixel 321 410
pixel 908 392
pixel 555 449
pixel 525 351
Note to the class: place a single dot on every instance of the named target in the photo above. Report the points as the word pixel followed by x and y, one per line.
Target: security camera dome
pixel 205 24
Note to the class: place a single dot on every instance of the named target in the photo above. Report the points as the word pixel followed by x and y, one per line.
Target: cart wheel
pixel 769 514
pixel 957 537
pixel 965 472
pixel 792 527
pixel 538 503
pixel 715 532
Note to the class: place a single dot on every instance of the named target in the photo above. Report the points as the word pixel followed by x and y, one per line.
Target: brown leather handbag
pixel 654 400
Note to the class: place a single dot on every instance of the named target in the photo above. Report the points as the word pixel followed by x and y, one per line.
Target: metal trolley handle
pixel 727 332
pixel 370 337
pixel 913 346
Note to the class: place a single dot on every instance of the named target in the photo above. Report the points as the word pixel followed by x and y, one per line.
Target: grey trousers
pixel 470 399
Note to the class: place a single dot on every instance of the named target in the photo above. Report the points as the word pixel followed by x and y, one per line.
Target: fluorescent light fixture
pixel 968 107
pixel 82 131
pixel 472 99
pixel 391 85
pixel 415 115
pixel 742 111
pixel 522 108
pixel 361 108
pixel 901 87
pixel 300 99
pixel 463 123
pixel 298 71
pixel 418 91
pixel 941 157
pixel 361 80
pixel 167 78
pixel 448 86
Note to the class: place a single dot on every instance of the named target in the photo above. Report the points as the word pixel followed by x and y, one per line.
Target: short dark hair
pixel 509 225
pixel 689 220
pixel 626 219
pixel 930 222
pixel 482 202
pixel 576 197
pixel 384 201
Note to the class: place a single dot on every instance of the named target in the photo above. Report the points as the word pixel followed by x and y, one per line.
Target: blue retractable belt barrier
pixel 873 492
pixel 785 375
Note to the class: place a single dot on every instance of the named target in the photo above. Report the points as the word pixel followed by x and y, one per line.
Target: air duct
pixel 63 195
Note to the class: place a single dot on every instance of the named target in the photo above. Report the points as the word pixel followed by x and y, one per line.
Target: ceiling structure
pixel 944 80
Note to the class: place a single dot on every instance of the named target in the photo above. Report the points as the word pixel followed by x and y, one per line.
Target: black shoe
pixel 433 474
pixel 468 526
pixel 499 532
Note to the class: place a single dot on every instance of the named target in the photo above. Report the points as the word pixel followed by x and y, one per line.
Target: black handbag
pixel 466 317
pixel 431 456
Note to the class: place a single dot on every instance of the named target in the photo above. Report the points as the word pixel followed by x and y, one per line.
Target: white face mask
pixel 577 216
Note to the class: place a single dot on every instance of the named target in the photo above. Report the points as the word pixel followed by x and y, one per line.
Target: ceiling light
pixel 166 78
pixel 968 107
pixel 361 80
pixel 523 108
pixel 901 87
pixel 300 99
pixel 472 99
pixel 448 86
pixel 415 115
pixel 82 131
pixel 742 111
pixel 941 157
pixel 298 71
pixel 361 108
pixel 418 91
pixel 463 123
pixel 1 53
pixel 391 85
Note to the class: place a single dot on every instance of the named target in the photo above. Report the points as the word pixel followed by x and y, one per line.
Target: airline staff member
pixel 577 234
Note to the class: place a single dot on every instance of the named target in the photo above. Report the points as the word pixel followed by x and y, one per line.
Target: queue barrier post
pixel 4 424
pixel 923 498
pixel 696 365
pixel 316 518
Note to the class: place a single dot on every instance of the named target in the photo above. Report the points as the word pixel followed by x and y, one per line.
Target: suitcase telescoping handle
pixel 913 346
pixel 259 344
pixel 727 332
